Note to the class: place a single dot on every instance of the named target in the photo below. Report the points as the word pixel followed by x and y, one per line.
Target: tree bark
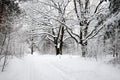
pixel 61 41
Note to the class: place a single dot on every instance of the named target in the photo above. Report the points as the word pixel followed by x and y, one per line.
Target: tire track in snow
pixel 32 72
pixel 52 68
pixel 42 70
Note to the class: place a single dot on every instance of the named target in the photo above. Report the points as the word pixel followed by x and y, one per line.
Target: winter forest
pixel 59 39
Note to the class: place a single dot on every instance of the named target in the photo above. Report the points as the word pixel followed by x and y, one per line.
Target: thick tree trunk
pixel 84 50
pixel 85 44
pixel 57 51
pixel 83 35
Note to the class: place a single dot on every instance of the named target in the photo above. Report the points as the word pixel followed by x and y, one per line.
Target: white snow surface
pixel 51 67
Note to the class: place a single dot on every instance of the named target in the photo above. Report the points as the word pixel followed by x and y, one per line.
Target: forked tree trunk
pixel 82 23
pixel 58 40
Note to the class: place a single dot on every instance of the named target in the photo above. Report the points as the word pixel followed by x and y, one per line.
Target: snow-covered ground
pixel 51 67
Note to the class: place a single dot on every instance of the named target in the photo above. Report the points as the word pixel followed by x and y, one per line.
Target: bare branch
pixel 98 5
pixel 51 39
pixel 48 4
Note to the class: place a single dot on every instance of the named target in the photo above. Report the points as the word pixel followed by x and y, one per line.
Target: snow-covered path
pixel 58 68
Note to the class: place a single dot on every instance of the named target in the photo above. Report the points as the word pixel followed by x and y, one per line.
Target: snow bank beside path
pixel 50 67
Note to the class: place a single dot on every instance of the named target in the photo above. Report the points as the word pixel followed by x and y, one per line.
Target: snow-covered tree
pixel 113 30
pixel 90 19
pixel 9 10
pixel 49 20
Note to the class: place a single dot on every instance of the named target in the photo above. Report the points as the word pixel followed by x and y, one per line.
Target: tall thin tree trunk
pixel 61 41
pixel 5 60
pixel 3 43
pixel 6 53
pixel 115 54
pixel 32 42
pixel 32 46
